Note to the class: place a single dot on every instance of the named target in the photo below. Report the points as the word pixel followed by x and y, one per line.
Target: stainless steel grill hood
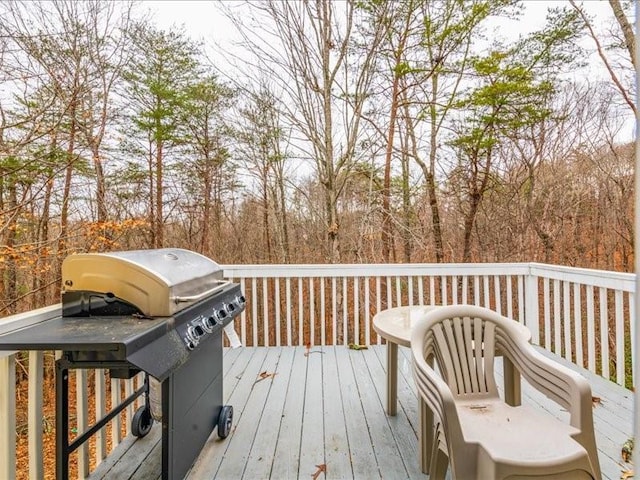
pixel 158 282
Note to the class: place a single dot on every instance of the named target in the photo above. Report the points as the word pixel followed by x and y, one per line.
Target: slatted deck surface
pixel 298 412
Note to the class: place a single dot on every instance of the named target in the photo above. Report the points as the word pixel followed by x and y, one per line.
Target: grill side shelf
pixel 85 334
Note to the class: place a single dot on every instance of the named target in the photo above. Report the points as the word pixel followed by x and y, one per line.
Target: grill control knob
pixel 208 323
pixel 221 314
pixel 194 333
pixel 230 307
pixel 240 300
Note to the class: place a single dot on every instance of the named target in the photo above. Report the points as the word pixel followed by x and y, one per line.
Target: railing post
pixel 36 374
pixel 531 314
pixel 7 415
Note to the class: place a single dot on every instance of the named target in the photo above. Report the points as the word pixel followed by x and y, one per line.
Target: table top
pixel 394 324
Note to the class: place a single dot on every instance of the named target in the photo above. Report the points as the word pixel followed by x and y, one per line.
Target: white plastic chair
pixel 472 429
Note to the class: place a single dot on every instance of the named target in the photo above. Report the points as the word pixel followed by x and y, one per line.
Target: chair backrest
pixel 464 350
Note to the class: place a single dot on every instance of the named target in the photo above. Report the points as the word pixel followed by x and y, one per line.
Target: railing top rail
pixel 26 319
pixel 381 270
pixel 586 276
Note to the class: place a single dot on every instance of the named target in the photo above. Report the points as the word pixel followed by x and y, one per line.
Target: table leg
pixel 392 378
pixel 512 392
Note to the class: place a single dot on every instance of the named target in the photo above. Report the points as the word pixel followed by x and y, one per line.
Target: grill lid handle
pixel 194 298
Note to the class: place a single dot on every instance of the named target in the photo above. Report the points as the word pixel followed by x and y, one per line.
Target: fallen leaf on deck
pixel 321 468
pixel 308 350
pixel 264 375
pixel 627 450
pixel 596 401
pixel 626 475
pixel 355 346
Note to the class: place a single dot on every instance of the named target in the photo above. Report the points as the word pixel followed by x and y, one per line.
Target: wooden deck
pixel 320 414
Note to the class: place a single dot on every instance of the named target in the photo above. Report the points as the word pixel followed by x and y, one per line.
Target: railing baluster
pixel 465 288
pixel 312 313
pixel 367 311
pixel 116 435
pixel 356 310
pixel 82 421
pixel 547 319
pixel 566 318
pixel 288 305
pixel 277 307
pixel 509 296
pixel 531 309
pixel 243 316
pixel 254 312
pixel 476 290
pixel 557 321
pixel 7 416
pixel 632 330
pixel 591 331
pixel 35 419
pixel 521 299
pixel 265 311
pixel 496 292
pixel 128 391
pixel 443 290
pixel 410 282
pixel 604 333
pixel 620 370
pixel 485 291
pixel 420 290
pixel 577 317
pixel 454 289
pixel 300 313
pixel 432 290
pixel 378 303
pixel 334 310
pixel 345 313
pixel 323 328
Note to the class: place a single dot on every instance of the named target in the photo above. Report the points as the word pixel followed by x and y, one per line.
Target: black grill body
pixel 183 350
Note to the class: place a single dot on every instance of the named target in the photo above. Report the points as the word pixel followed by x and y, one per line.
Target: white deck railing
pixel 584 315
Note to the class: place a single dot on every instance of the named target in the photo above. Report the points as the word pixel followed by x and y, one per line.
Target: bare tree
pixel 622 76
pixel 304 48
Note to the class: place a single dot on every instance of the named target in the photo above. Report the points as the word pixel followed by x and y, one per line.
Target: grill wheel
pixel 141 422
pixel 224 421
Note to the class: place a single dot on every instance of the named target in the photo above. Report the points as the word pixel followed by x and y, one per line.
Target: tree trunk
pixel 158 223
pixel 387 233
pixel 627 29
pixel 101 202
pixel 66 191
pixel 331 196
pixel 11 270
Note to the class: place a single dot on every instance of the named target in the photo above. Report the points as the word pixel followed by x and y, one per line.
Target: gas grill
pixel 161 312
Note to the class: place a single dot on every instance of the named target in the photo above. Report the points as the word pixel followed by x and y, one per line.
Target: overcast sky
pixel 203 20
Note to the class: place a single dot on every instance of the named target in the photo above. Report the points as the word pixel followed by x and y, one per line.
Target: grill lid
pixel 158 282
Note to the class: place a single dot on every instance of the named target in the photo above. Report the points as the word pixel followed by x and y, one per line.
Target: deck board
pixel 327 408
pixel 262 453
pixel 334 416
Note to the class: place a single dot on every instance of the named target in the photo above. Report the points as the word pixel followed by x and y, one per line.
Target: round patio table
pixel 394 325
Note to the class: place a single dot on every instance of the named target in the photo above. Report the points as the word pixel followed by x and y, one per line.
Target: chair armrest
pixel 561 384
pixel 434 391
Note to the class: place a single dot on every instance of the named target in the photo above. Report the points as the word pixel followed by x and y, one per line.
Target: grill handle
pixel 195 298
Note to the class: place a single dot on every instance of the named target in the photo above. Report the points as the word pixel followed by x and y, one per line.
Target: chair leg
pixel 426 440
pixel 439 465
